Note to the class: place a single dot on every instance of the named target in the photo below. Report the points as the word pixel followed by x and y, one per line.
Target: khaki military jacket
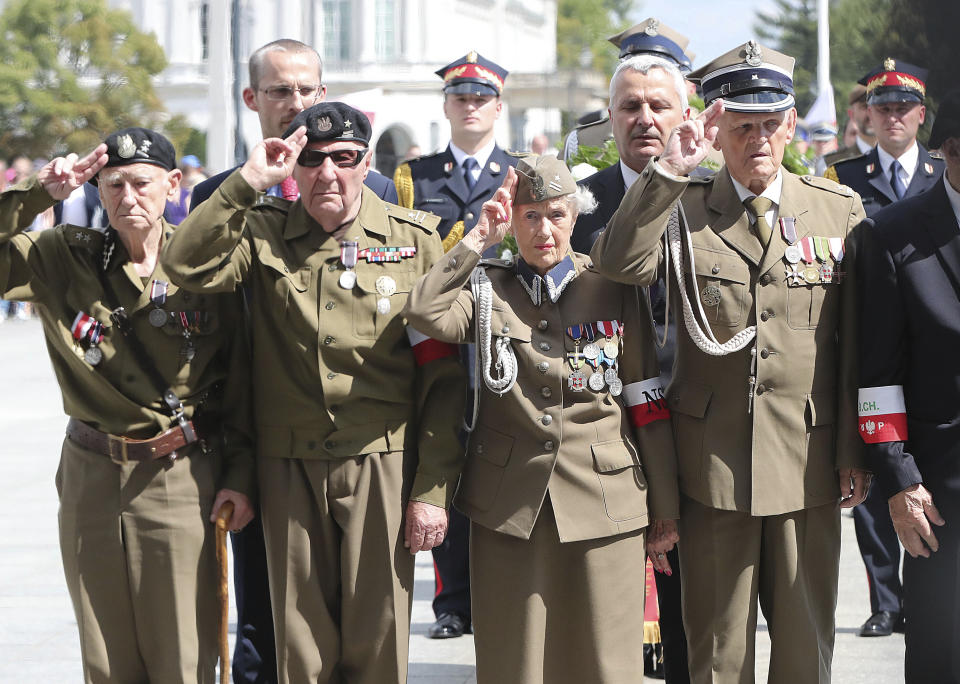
pixel 57 270
pixel 541 438
pixel 782 453
pixel 333 376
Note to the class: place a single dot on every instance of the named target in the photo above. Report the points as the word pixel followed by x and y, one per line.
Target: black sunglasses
pixel 345 159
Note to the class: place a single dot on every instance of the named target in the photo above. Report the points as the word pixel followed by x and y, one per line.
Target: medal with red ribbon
pixel 88 331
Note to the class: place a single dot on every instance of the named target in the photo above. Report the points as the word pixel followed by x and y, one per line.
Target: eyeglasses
pixel 281 93
pixel 345 159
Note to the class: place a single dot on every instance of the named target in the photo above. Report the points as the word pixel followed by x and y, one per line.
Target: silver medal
pixel 596 381
pixel 792 254
pixel 616 387
pixel 348 279
pixel 610 375
pixel 610 350
pixel 93 356
pixel 386 286
pixel 591 351
pixel 383 306
pixel 158 318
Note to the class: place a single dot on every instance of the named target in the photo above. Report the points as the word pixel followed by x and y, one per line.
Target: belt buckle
pixel 122 458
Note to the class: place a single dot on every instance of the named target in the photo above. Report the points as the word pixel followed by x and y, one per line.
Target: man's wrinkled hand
pixel 854 485
pixel 272 160
pixel 425 526
pixel 690 142
pixel 61 176
pixel 912 511
pixel 242 509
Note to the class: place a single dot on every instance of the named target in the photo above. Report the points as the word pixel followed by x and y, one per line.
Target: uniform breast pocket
pixel 722 286
pixel 810 305
pixel 621 479
pixel 488 454
pixel 286 281
pixel 379 296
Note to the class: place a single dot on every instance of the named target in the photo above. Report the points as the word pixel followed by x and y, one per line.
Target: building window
pixel 336 30
pixel 386 35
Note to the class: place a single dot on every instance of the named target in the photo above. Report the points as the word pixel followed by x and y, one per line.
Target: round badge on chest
pixel 348 279
pixel 710 295
pixel 596 381
pixel 616 387
pixel 793 254
pixel 93 356
pixel 386 286
pixel 591 351
pixel 158 318
pixel 383 306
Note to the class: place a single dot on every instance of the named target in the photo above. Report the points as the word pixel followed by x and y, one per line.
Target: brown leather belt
pixel 122 449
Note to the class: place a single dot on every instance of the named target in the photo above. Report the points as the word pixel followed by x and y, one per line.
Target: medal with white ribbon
pixel 348 257
pixel 608 329
pixel 86 329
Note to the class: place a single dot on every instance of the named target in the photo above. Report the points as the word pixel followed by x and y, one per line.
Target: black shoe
pixel 448 626
pixel 881 623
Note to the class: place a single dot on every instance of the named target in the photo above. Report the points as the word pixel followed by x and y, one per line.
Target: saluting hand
pixel 495 216
pixel 690 142
pixel 273 159
pixel 61 176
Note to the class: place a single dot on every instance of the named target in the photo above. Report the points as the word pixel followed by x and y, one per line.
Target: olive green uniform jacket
pixel 782 455
pixel 333 377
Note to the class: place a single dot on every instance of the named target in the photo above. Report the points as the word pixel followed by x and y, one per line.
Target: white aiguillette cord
pixel 706 341
pixel 506 358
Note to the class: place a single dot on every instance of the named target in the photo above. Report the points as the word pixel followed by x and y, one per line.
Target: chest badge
pixel 710 295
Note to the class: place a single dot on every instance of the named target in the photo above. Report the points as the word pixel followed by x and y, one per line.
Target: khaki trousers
pixel 791 562
pixel 341 581
pixel 139 559
pixel 545 612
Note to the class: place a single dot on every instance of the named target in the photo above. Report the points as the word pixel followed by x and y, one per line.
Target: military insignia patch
pixel 448 167
pixel 754 56
pixel 538 189
pixel 494 167
pixel 125 147
pixel 555 184
pixel 871 167
pixel 889 64
pixel 710 295
pixel 324 123
pixel 928 167
pixel 652 27
pixel 472 56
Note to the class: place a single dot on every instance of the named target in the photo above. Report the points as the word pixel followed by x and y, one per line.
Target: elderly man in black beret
pixel 909 397
pixel 158 437
pixel 355 413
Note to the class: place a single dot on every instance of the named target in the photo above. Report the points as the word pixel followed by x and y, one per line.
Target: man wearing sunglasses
pixel 355 413
pixel 286 77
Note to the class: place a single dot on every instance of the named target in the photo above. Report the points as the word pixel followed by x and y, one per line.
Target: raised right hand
pixel 61 176
pixel 495 216
pixel 690 142
pixel 273 159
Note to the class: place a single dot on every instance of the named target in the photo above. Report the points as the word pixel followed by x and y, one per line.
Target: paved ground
pixel 38 640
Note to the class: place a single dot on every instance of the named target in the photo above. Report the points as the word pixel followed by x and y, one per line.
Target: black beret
pixel 947 122
pixel 332 121
pixel 139 146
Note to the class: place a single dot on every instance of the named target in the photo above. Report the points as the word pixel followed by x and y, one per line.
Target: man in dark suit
pixel 454 183
pixel 647 101
pixel 898 166
pixel 895 93
pixel 286 77
pixel 909 398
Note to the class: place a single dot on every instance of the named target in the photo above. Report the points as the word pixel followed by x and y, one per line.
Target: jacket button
pixel 329 444
pixel 761 389
pixel 546 420
pixel 311 445
pixel 543 366
pixel 328 340
pixel 479 449
pixel 715 270
pixel 452 263
pixel 764 316
pixel 764 353
pixel 332 267
pixel 331 376
pixel 548 445
pixel 505 329
pixel 542 325
pixel 468 216
pixel 546 392
pixel 545 346
pixel 765 279
pixel 330 305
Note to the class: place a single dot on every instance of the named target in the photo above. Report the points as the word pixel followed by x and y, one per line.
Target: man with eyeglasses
pixel 354 411
pixel 286 77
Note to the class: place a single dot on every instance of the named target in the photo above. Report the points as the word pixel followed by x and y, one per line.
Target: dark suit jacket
pixel 439 187
pixel 910 335
pixel 377 182
pixel 872 182
pixel 607 187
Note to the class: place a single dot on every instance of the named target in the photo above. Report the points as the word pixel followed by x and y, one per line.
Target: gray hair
pixel 644 63
pixel 582 201
pixel 255 64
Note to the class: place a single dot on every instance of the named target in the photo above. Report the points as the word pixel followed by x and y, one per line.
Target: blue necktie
pixel 469 164
pixel 895 181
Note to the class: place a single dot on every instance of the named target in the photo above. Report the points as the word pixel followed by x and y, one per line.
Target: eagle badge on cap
pixel 472 56
pixel 754 54
pixel 125 147
pixel 324 124
pixel 889 64
pixel 538 190
pixel 652 27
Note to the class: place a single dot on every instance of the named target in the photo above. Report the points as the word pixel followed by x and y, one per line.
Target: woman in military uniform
pixel 155 443
pixel 571 455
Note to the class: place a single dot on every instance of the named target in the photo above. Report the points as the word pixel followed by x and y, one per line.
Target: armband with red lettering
pixel 883 414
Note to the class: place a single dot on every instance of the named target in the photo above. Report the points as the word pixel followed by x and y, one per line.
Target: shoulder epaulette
pixel 499 263
pixel 78 236
pixel 272 202
pixel 418 217
pixel 702 174
pixel 517 153
pixel 827 184
pixel 936 154
pixel 843 155
pixel 424 157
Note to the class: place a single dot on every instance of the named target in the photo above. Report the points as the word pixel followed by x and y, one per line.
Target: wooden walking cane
pixel 223 520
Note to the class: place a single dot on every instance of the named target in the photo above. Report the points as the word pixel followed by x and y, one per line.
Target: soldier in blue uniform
pixel 454 184
pixel 898 166
pixel 895 93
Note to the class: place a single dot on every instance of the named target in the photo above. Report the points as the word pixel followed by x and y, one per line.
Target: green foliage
pixel 583 27
pixel 792 30
pixel 597 157
pixel 508 243
pixel 793 161
pixel 71 71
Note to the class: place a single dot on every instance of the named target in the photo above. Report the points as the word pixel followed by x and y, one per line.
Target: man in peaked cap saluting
pixel 454 184
pixel 763 395
pixel 898 166
pixel 909 401
pixel 649 37
pixel 355 413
